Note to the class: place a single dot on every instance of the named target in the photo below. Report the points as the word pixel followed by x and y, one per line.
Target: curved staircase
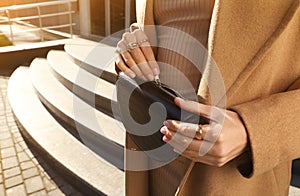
pixel 65 105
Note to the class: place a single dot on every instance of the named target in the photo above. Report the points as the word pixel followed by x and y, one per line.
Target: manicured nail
pixel 163 130
pixel 150 77
pixel 179 99
pixel 166 123
pixel 165 139
pixel 132 74
pixel 155 71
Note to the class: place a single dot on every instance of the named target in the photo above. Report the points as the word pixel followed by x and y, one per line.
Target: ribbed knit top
pixel 189 16
pixel 192 17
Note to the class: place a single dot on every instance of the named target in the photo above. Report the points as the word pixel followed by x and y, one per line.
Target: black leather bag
pixel 143 107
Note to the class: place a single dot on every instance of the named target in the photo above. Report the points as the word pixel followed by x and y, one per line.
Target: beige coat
pixel 256 44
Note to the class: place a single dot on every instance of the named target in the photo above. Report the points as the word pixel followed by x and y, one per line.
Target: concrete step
pixel 101 133
pixel 83 168
pixel 97 58
pixel 92 89
pixel 11 57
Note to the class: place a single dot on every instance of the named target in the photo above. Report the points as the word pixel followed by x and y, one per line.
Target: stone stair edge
pixel 91 179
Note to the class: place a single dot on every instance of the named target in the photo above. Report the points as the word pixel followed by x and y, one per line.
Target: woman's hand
pixel 223 140
pixel 136 57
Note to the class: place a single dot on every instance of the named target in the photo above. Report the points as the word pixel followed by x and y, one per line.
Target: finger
pixel 121 47
pixel 202 147
pixel 128 60
pixel 129 38
pixel 145 46
pixel 209 132
pixel 134 26
pixel 186 129
pixel 123 67
pixel 198 150
pixel 182 147
pixel 137 55
pixel 181 142
pixel 210 112
pixel 178 141
pixel 194 107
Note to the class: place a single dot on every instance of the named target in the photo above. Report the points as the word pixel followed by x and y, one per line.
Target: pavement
pixel 22 170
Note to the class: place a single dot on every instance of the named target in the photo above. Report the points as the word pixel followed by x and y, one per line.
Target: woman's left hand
pixel 222 141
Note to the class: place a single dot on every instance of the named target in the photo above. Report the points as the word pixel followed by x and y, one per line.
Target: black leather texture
pixel 144 106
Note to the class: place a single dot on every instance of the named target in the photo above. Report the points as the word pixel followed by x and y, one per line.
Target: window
pixel 110 16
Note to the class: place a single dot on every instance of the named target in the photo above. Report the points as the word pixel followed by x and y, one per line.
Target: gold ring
pixel 199 132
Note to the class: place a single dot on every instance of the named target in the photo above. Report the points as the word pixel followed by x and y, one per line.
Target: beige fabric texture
pixel 256 45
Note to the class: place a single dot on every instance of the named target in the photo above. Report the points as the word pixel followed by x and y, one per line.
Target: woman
pixel 256 46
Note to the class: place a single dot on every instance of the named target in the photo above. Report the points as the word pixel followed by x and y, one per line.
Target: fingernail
pixel 179 99
pixel 163 130
pixel 132 74
pixel 150 77
pixel 166 123
pixel 165 139
pixel 155 71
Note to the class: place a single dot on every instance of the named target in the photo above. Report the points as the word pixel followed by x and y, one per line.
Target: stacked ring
pixel 132 45
pixel 199 131
pixel 143 41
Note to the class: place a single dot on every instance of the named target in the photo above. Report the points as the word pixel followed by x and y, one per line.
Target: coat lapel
pixel 240 34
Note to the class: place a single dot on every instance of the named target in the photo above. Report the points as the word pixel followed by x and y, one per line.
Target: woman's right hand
pixel 136 57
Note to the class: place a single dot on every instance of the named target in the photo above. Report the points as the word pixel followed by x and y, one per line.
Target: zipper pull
pixel 157 80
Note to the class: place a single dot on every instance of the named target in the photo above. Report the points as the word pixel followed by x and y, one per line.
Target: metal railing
pixel 10 20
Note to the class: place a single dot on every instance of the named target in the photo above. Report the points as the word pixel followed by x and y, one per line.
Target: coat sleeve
pixel 273 127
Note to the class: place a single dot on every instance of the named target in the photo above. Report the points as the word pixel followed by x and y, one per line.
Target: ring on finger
pixel 143 41
pixel 199 132
pixel 132 45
